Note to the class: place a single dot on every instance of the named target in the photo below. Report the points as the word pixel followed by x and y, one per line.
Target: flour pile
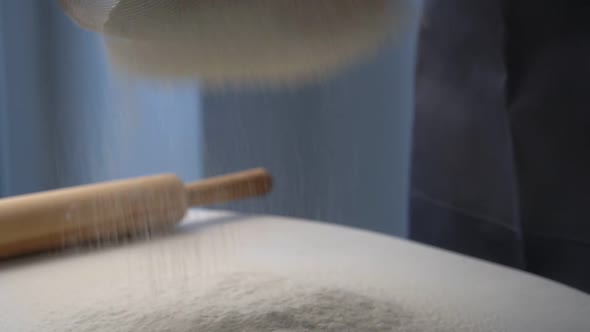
pixel 245 302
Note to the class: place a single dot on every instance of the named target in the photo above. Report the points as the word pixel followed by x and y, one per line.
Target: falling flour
pixel 248 302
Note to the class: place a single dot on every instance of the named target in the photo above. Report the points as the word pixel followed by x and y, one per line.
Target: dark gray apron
pixel 501 165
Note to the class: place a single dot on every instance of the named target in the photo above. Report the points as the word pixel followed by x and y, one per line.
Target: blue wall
pixel 68 119
pixel 339 150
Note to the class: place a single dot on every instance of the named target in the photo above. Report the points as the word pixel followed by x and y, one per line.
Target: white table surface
pixel 211 243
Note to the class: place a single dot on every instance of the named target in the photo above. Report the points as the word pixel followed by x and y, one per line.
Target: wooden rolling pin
pixel 111 210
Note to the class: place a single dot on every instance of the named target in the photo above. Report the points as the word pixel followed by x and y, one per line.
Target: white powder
pixel 249 302
pixel 255 275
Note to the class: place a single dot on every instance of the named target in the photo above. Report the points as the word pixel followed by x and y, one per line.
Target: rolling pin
pixel 112 210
